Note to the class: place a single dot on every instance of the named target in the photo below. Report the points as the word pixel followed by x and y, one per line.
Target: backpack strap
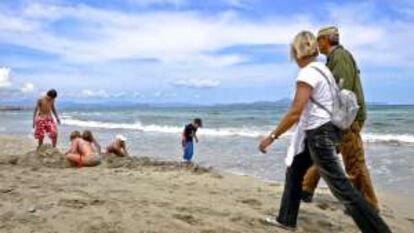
pixel 323 74
pixel 317 103
pixel 320 105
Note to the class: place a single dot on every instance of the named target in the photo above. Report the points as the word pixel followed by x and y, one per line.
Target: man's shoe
pixel 306 197
pixel 273 222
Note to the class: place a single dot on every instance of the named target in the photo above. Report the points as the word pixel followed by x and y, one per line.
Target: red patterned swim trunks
pixel 45 125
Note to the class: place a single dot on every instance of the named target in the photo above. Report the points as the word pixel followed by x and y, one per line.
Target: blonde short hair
pixel 304 45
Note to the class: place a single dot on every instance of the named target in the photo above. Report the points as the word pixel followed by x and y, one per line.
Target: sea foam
pixel 137 125
pixel 222 132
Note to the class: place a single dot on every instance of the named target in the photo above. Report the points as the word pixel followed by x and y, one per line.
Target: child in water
pixel 188 137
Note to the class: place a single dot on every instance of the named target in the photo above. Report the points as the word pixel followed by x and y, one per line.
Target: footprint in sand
pixel 218 230
pixel 411 220
pixel 188 218
pixel 79 203
pixel 217 176
pixel 241 219
pixel 322 206
pixel 6 190
pixel 190 183
pixel 251 202
pixel 7 216
pixel 327 206
pixel 103 227
pixel 203 210
pixel 387 212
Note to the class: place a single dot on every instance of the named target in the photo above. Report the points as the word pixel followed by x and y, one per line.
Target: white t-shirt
pixel 314 116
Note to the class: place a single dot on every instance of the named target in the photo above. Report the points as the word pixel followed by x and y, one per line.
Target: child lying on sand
pixel 118 147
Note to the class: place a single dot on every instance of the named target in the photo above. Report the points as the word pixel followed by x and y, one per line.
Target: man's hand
pixel 265 143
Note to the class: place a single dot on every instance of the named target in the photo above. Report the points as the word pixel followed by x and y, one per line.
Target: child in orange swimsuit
pixel 83 150
pixel 74 152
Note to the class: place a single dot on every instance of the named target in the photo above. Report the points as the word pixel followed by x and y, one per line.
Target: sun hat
pixel 121 137
pixel 327 31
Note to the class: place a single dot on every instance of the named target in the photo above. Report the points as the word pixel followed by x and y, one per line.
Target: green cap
pixel 329 30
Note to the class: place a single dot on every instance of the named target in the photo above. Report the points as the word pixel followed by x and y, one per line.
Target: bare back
pixel 45 106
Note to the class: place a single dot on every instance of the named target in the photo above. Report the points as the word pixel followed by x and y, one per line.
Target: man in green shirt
pixel 346 73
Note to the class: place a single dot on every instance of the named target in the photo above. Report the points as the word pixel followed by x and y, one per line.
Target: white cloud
pixel 188 42
pixel 27 87
pixel 11 24
pixel 171 37
pixel 137 95
pixel 237 3
pixel 187 37
pixel 102 94
pixel 164 94
pixel 158 2
pixel 87 93
pixel 9 87
pixel 158 94
pixel 197 83
pixel 4 77
pixel 374 41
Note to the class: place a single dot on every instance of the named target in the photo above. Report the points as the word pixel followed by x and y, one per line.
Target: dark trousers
pixel 353 156
pixel 321 151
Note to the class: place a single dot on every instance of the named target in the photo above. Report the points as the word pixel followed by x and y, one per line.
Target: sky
pixel 191 51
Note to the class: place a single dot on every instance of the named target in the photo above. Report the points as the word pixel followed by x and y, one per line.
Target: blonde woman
pixel 314 142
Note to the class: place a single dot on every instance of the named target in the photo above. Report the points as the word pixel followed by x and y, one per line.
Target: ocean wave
pixel 388 138
pixel 224 132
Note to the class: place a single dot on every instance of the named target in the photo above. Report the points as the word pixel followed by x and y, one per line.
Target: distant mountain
pixel 12 108
pixel 379 104
pixel 23 104
pixel 281 102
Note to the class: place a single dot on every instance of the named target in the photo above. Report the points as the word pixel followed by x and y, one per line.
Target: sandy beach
pixel 40 194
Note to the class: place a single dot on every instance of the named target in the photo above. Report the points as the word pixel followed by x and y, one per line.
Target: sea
pixel 230 136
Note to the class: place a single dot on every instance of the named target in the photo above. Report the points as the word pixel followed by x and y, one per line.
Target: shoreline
pixel 30 144
pixel 125 196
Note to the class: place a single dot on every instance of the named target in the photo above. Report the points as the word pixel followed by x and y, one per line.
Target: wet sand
pixel 39 193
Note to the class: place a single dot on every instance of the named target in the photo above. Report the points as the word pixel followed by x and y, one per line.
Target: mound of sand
pixel 47 156
pixel 137 163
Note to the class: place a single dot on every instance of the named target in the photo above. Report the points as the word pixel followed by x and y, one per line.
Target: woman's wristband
pixel 273 136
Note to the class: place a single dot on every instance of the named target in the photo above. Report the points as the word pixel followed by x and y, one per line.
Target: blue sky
pixel 157 51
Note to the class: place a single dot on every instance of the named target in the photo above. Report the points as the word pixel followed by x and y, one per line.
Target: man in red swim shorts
pixel 43 121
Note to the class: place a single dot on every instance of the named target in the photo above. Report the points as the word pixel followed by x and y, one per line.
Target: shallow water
pixel 231 134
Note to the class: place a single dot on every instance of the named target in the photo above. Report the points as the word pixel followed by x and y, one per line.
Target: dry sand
pixel 39 193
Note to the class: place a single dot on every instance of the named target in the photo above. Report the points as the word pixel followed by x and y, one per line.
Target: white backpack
pixel 345 105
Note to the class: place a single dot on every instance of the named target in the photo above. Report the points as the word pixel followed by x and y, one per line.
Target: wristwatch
pixel 273 136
